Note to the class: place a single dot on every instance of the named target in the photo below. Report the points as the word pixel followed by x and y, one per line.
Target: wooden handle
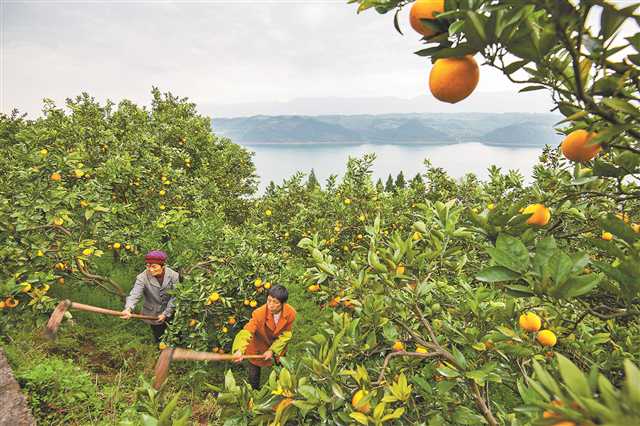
pixel 187 355
pixel 97 310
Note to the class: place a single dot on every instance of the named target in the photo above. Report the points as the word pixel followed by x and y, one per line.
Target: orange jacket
pixel 262 334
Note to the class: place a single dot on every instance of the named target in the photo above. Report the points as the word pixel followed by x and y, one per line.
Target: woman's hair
pixel 279 292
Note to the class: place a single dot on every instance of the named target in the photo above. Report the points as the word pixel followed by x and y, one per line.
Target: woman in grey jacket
pixel 154 285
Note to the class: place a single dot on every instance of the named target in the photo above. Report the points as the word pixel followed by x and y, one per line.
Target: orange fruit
pixel 313 288
pixel 231 321
pixel 355 402
pixel 636 227
pixel 424 9
pixel 162 345
pixel 421 350
pixel 61 280
pixel 530 322
pixel 214 297
pixel 55 176
pixel 453 79
pixel 10 302
pixel 253 303
pixel 193 323
pixel 540 215
pixel 607 236
pixel 398 346
pixel 400 270
pixel 547 338
pixel 334 302
pixel 575 146
pixel 564 423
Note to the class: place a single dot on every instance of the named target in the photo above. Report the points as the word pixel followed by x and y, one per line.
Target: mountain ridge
pixel 508 129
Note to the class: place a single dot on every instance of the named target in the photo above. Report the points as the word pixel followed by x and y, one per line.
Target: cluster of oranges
pixel 532 323
pixel 451 79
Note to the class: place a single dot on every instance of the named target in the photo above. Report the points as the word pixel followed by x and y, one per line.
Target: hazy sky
pixel 218 52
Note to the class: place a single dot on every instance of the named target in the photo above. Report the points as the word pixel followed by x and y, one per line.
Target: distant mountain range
pixel 508 129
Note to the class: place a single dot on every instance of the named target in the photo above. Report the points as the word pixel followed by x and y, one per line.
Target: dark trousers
pixel 158 331
pixel 253 373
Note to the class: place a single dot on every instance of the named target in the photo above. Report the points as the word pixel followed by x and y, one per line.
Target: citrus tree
pixel 98 180
pixel 474 304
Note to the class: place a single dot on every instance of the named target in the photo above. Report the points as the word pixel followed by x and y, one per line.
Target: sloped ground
pixel 13 405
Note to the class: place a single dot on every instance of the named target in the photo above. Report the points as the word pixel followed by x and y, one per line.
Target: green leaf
pixel 621 105
pixel 579 286
pixel 560 266
pixel 465 416
pixel 395 21
pixel 515 66
pixel 602 168
pixel 610 21
pixel 573 378
pixel 165 416
pixel 474 29
pixel 477 376
pixel 229 381
pixel 360 418
pixel 608 393
pixel 448 372
pixel 632 382
pixel 531 88
pixel 545 378
pixel 494 274
pixel 459 357
pixel 397 413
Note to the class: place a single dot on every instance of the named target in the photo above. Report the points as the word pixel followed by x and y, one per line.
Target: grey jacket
pixel 156 298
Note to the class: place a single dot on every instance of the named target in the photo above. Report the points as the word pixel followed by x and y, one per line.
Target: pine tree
pixel 312 181
pixel 389 185
pixel 379 186
pixel 400 181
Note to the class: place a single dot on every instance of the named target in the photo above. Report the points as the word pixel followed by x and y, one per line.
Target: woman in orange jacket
pixel 267 333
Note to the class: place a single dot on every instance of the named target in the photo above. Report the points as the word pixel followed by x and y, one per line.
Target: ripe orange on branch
pixel 547 338
pixel 530 322
pixel 540 215
pixel 576 147
pixel 453 79
pixel 425 9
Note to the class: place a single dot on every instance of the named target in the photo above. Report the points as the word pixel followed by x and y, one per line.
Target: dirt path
pixel 13 404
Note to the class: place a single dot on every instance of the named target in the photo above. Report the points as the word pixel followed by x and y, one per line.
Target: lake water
pixel 280 161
